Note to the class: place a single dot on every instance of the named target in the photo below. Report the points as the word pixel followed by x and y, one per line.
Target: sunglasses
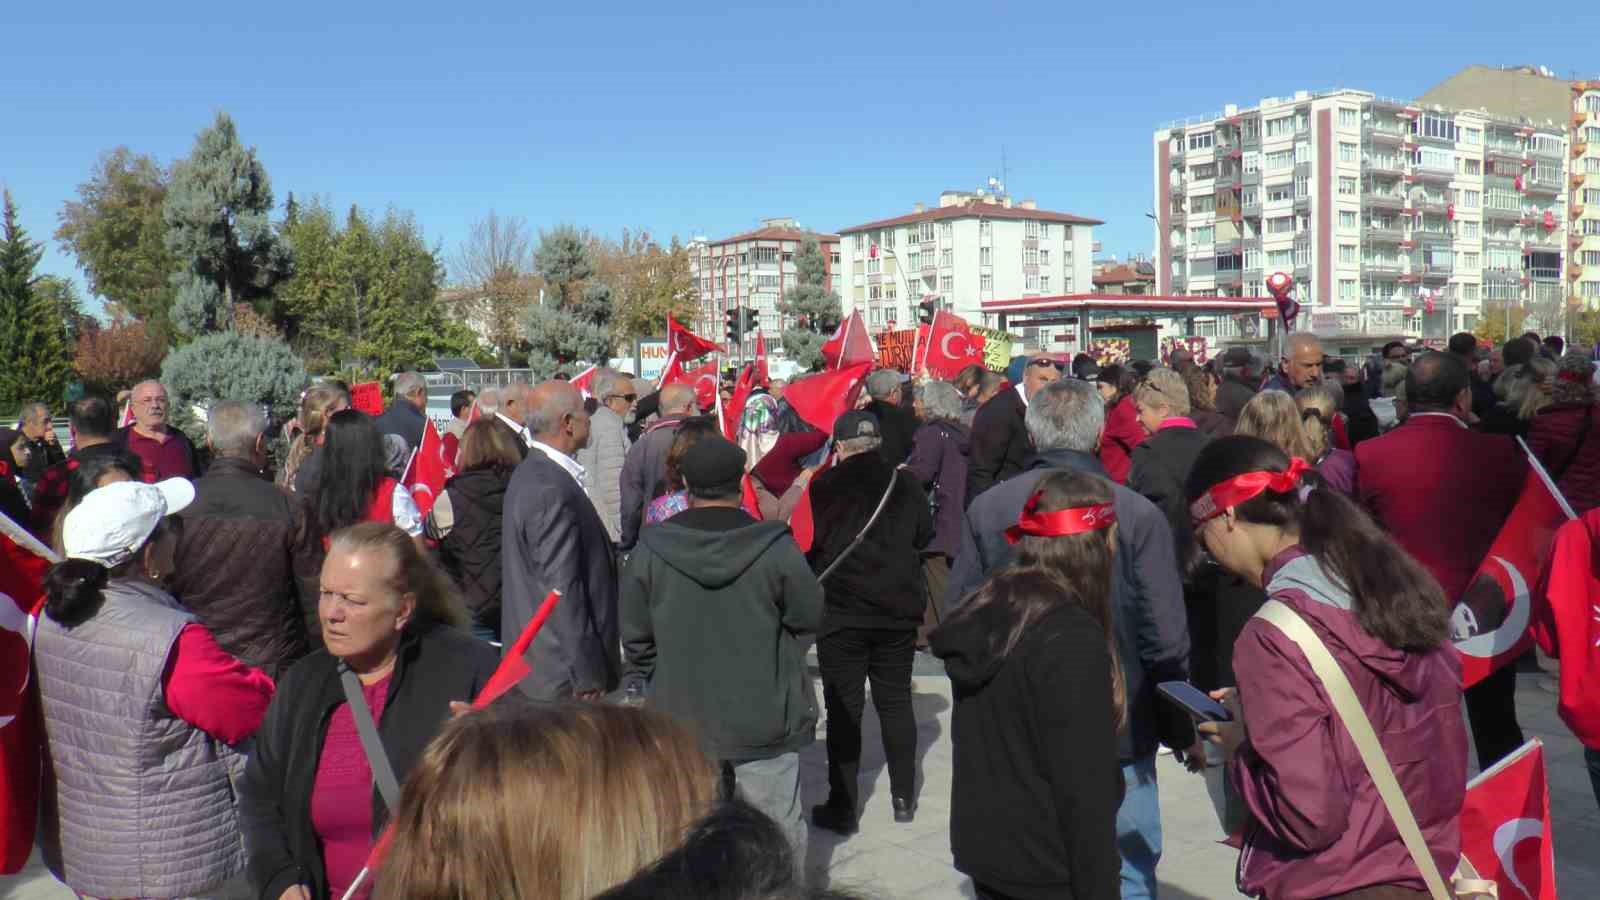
pixel 628 397
pixel 1042 363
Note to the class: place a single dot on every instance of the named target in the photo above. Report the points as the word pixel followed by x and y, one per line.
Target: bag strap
pixel 1355 720
pixel 371 744
pixel 894 478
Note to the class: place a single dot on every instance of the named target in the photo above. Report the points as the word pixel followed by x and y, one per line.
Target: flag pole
pixel 1545 477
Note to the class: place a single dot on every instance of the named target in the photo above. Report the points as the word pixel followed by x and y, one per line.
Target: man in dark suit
pixel 405 415
pixel 552 539
pixel 1444 491
pixel 1240 378
pixel 1066 421
pixel 1000 445
pixel 897 424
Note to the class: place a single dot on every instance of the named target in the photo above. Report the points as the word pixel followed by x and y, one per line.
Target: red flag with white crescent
pixel 23 564
pixel 951 346
pixel 584 381
pixel 428 470
pixel 1491 623
pixel 849 345
pixel 705 380
pixel 1505 826
pixel 685 344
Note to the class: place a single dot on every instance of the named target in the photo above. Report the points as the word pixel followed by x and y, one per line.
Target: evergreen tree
pixel 811 304
pixel 574 325
pixel 218 227
pixel 35 358
pixel 233 366
pixel 563 260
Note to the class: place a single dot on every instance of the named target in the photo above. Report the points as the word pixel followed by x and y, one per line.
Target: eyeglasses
pixel 1041 363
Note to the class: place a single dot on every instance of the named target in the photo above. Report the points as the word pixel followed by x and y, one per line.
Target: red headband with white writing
pixel 1243 488
pixel 1060 522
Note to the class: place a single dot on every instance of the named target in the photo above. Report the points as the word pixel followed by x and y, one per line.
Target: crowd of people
pixel 257 657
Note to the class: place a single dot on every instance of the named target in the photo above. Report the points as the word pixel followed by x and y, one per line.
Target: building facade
pixel 753 270
pixel 1394 218
pixel 970 248
pixel 1583 269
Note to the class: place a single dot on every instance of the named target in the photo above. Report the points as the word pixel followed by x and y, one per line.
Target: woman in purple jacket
pixel 1317 827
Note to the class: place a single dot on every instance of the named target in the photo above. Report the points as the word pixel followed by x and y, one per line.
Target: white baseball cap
pixel 114 521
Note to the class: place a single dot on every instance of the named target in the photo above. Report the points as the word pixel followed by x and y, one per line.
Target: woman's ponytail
pixel 72 591
pixel 1395 599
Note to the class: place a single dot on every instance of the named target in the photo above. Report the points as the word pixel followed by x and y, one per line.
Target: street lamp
pixel 900 270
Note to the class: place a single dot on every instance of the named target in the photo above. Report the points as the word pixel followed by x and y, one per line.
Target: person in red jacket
pixel 1444 491
pixel 1566 434
pixel 1123 431
pixel 1567 627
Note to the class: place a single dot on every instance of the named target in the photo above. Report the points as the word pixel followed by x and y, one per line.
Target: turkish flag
pixel 1505 826
pixel 705 381
pixel 951 346
pixel 1491 623
pixel 748 498
pixel 821 398
pixel 1567 623
pixel 584 381
pixel 741 395
pixel 514 665
pixel 763 374
pixel 685 344
pixel 23 564
pixel 428 470
pixel 849 344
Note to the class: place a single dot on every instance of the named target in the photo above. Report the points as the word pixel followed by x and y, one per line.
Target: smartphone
pixel 1194 701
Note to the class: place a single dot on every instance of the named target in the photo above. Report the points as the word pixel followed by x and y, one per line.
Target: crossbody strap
pixel 371 744
pixel 1349 710
pixel 894 478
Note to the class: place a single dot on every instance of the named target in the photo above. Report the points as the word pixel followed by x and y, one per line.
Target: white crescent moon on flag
pixel 1506 839
pixel 944 345
pixel 13 619
pixel 1492 643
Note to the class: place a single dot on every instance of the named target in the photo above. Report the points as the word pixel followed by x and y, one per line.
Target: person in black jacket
pixel 1000 446
pixel 308 806
pixel 716 609
pixel 1065 420
pixel 465 520
pixel 1039 699
pixel 897 423
pixel 405 416
pixel 874 604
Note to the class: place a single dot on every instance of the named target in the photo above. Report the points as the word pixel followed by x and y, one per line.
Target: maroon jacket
pixel 1443 491
pixel 1566 438
pixel 1317 825
pixel 1123 433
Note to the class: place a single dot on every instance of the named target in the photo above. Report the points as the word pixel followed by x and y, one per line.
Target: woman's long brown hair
pixel 558 801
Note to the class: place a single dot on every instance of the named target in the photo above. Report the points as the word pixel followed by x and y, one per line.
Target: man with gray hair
pixel 552 539
pixel 243 536
pixel 405 415
pixel 898 426
pixel 511 407
pixel 644 471
pixel 607 449
pixel 1066 420
pixel 34 423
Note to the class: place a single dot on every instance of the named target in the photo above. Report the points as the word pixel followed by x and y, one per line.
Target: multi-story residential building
pixel 970 248
pixel 1583 242
pixel 753 270
pixel 1395 218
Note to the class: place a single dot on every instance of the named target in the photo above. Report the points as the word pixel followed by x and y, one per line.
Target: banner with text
pixel 894 348
pixel 997 348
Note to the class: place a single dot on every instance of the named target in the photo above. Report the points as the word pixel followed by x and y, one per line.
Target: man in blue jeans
pixel 1065 420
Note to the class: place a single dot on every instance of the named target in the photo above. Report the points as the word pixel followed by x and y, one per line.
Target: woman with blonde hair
pixel 1273 415
pixel 1525 389
pixel 1566 434
pixel 1319 405
pixel 1039 702
pixel 311 802
pixel 320 402
pixel 557 801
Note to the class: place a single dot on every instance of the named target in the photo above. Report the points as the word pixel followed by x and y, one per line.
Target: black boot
pixel 905 809
pixel 834 819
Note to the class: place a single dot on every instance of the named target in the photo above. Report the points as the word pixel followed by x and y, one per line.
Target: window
pixel 1471 259
pixel 1030 257
pixel 986 283
pixel 947 258
pixel 1044 257
pixel 1471 199
pixel 946 231
pixel 1280 193
pixel 1302 152
pixel 1591 103
pixel 1202 141
pixel 985 229
pixel 985 256
pixel 1347 152
pixel 766 282
pixel 1347 254
pixel 1473 136
pixel 1252 129
pixel 925 232
pixel 1044 284
pixel 1033 282
pixel 1252 162
pixel 1280 225
pixel 1349 118
pixel 1471 291
pixel 1349 220
pixel 874 292
pixel 1591 165
pixel 1280 159
pixel 1280 259
pixel 1302 186
pixel 888 238
pixel 874 264
pixel 1591 195
pixel 1347 186
pixel 1252 258
pixel 1302 254
pixel 1546 172
pixel 1546 144
pixel 947 284
pixel 835 258
pixel 1591 257
pixel 1199 173
pixel 1030 228
pixel 914 260
pixel 766 255
pixel 1249 196
pixel 1280 127
pixel 1434 158
pixel 1347 289
pixel 1473 166
pixel 861 242
pixel 1589 289
pixel 1044 230
pixel 1203 234
pixel 1437 127
pixel 1591 135
pixel 1203 204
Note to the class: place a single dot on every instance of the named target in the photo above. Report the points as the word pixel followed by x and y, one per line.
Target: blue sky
pixel 694 119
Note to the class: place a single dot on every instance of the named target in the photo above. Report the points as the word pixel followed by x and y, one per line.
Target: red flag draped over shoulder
pixel 23 563
pixel 685 344
pixel 849 345
pixel 1505 826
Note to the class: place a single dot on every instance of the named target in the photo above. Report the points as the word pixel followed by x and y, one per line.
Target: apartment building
pixel 1583 269
pixel 753 270
pixel 971 247
pixel 1395 217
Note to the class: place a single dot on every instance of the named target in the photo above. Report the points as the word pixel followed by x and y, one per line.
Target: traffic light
pixel 735 323
pixel 748 320
pixel 926 311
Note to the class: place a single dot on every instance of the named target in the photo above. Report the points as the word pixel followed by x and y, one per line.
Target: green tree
pixel 651 283
pixel 114 230
pixel 217 216
pixel 811 304
pixel 61 296
pixel 231 366
pixel 33 337
pixel 563 260
pixel 1585 328
pixel 574 324
pixel 1492 324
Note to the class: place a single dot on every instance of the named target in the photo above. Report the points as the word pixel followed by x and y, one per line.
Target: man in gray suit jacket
pixel 552 539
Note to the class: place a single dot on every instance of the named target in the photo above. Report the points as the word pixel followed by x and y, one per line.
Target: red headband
pixel 1061 522
pixel 1242 488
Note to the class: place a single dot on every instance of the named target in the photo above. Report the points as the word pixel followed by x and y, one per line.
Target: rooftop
pixel 1521 93
pixel 1123 273
pixel 974 209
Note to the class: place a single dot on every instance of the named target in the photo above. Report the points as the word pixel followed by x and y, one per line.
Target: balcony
pixel 1382 199
pixel 1379 134
pixel 1429 203
pixel 1381 266
pixel 1533 184
pixel 1383 234
pixel 1426 173
pixel 1501 214
pixel 1378 164
pixel 1501 150
pixel 1436 272
pixel 1544 273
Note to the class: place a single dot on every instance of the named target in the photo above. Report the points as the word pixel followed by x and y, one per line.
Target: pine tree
pixel 812 304
pixel 35 359
pixel 217 216
pixel 574 325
